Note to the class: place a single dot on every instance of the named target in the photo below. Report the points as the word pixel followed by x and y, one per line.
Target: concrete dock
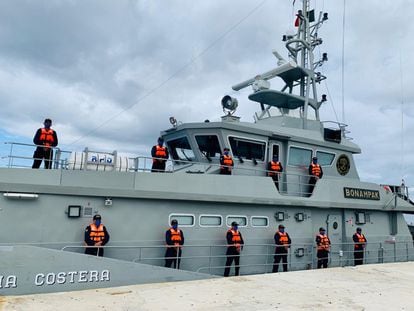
pixel 368 287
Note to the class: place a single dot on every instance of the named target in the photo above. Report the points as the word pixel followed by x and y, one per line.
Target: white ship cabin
pixel 196 148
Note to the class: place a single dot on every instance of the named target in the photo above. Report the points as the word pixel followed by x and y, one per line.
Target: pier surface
pixel 367 287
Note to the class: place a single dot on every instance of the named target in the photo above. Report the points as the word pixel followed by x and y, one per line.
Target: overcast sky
pixel 111 73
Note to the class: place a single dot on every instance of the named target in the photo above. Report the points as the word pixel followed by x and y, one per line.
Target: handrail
pixel 205 259
pixel 172 162
pixel 57 162
pixel 290 184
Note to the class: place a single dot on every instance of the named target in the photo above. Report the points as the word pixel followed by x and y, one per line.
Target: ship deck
pixel 368 287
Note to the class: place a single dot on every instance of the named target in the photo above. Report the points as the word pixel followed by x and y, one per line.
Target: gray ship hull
pixel 144 203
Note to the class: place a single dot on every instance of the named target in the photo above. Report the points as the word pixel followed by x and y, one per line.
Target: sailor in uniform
pixel 360 242
pixel 174 239
pixel 96 235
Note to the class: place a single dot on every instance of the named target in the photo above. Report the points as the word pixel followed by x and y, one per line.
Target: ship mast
pixel 297 73
pixel 301 52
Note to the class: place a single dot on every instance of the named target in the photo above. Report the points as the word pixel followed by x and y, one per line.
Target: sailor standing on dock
pixel 282 241
pixel 174 238
pixel 96 235
pixel 234 246
pixel 323 246
pixel 360 242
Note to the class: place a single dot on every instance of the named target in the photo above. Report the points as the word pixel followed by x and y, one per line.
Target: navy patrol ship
pixel 43 212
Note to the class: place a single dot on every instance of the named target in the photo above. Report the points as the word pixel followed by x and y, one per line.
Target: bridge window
pixel 325 158
pixel 180 149
pixel 184 220
pixel 247 149
pixel 241 220
pixel 260 221
pixel 299 156
pixel 211 220
pixel 208 145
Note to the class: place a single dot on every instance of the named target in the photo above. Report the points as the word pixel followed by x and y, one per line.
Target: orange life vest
pixel 236 237
pixel 316 170
pixel 97 234
pixel 46 136
pixel 175 236
pixel 274 167
pixel 283 238
pixel 227 160
pixel 160 152
pixel 324 242
pixel 361 240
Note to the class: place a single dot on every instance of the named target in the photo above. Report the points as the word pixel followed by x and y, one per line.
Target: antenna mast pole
pixel 302 53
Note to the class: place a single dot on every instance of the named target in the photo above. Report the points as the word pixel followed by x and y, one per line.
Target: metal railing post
pixel 57 158
pixel 10 156
pixel 395 252
pixel 406 250
pixel 380 254
pixel 312 257
pixel 209 258
pixel 267 258
pixel 290 258
pixel 177 256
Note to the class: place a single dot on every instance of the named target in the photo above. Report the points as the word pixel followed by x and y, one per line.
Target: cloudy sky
pixel 111 73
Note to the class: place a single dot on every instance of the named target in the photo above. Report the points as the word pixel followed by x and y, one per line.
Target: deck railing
pixel 290 184
pixel 257 258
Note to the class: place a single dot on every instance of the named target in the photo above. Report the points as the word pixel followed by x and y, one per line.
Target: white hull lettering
pixel 82 276
pixel 105 275
pixel 60 278
pixel 93 276
pixel 364 194
pixel 50 278
pixel 72 276
pixel 9 281
pixel 39 279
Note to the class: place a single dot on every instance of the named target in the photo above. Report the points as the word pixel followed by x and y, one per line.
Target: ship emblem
pixel 343 165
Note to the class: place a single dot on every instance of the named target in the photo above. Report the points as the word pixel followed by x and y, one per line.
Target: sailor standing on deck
pixel 45 139
pixel 282 241
pixel 323 245
pixel 315 171
pixel 359 246
pixel 226 162
pixel 160 156
pixel 174 238
pixel 96 235
pixel 274 169
pixel 234 246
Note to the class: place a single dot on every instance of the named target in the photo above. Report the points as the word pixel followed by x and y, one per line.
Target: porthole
pixel 241 220
pixel 184 220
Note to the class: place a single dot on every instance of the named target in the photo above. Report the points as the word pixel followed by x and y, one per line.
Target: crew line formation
pixel 96 235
